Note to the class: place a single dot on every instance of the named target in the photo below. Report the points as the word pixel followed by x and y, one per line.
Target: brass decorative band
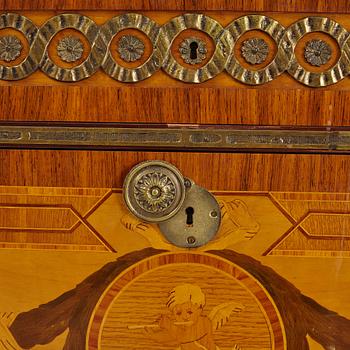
pixel 223 44
pixel 175 138
pixel 280 62
pixel 260 65
pixel 91 31
pixel 145 25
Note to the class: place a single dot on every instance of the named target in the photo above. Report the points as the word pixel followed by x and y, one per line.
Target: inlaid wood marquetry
pixel 38 218
pixel 252 322
pixel 303 224
pixel 125 286
pixel 249 99
pixel 317 220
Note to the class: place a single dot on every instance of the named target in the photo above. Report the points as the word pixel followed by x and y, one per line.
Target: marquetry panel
pixel 317 221
pixel 256 317
pixel 39 218
pixel 295 224
pixel 119 293
pixel 78 271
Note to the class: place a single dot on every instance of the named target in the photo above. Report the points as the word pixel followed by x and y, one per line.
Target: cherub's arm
pixel 146 230
pixel 161 336
pixel 165 333
pixel 208 339
pixel 237 225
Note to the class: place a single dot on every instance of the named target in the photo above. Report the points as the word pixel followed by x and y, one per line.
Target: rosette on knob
pixel 154 191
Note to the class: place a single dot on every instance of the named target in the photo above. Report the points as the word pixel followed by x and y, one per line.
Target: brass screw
pixel 191 240
pixel 214 214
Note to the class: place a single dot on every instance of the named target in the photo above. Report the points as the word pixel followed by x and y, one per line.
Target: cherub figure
pixel 237 225
pixel 184 325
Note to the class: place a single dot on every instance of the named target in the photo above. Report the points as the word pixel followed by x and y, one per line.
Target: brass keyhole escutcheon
pixel 197 223
pixel 187 214
pixel 193 50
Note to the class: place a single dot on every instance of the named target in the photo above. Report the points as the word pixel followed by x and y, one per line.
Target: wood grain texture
pixel 236 172
pixel 144 5
pixel 341 6
pixel 163 100
pixel 300 314
pixel 34 218
pixel 294 224
pixel 219 283
pixel 175 105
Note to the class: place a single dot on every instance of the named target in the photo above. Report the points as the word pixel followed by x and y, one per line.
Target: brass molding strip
pixel 176 138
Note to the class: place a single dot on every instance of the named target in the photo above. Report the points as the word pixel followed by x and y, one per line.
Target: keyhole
pixel 189 213
pixel 194 48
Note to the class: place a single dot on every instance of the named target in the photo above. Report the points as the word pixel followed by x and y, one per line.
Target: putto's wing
pixel 221 313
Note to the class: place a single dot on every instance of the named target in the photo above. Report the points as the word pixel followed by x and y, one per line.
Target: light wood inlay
pixel 139 297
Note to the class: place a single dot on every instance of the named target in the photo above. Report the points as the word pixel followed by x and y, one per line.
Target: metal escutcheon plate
pixel 197 221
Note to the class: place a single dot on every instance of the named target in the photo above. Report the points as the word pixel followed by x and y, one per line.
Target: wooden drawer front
pixel 248 100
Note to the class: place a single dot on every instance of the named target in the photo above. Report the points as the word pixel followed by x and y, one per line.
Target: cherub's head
pixel 186 303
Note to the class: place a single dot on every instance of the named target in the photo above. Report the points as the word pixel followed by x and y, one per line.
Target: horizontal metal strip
pixel 176 137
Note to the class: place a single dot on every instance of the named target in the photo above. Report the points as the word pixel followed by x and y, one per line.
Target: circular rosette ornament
pixel 255 50
pixel 10 48
pixel 318 52
pixel 70 49
pixel 154 191
pixel 131 48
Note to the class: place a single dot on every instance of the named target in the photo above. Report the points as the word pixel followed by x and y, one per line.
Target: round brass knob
pixel 154 191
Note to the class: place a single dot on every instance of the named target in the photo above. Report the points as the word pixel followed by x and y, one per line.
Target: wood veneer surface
pixel 234 172
pixel 99 99
pixel 175 105
pixel 341 6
